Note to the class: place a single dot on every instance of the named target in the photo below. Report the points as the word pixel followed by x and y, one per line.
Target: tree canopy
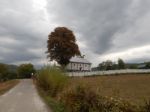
pixel 62 45
pixel 147 65
pixel 25 70
pixel 106 65
pixel 3 68
pixel 121 64
pixel 3 71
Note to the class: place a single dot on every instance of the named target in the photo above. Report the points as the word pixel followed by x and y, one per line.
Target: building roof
pixel 79 60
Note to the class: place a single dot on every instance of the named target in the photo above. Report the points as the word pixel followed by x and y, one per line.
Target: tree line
pixel 109 65
pixel 8 72
pixel 120 64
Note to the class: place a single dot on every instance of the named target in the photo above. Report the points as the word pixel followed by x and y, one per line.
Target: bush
pixel 12 75
pixel 145 107
pixel 51 80
pixel 3 72
pixel 79 99
pixel 82 99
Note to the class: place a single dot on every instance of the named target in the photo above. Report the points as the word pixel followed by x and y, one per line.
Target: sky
pixel 104 29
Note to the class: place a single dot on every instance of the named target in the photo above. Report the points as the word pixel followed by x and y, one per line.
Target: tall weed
pixel 80 97
pixel 51 80
pixel 83 99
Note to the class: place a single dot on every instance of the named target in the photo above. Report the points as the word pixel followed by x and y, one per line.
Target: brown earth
pixel 134 88
pixel 5 86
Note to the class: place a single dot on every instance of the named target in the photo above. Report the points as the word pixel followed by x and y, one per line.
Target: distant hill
pixel 12 68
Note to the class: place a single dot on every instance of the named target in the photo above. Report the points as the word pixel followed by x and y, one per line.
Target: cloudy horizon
pixel 109 29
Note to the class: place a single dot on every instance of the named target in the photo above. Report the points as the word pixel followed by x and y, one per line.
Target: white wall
pixel 109 72
pixel 78 66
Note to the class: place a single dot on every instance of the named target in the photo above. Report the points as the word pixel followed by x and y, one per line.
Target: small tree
pixel 25 70
pixel 121 64
pixel 62 45
pixel 106 65
pixel 3 72
pixel 147 66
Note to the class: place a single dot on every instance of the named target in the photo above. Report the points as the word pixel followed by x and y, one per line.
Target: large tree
pixel 62 45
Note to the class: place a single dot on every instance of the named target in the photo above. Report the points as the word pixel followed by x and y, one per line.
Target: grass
pixel 125 92
pixel 5 86
pixel 50 82
pixel 133 88
pixel 51 102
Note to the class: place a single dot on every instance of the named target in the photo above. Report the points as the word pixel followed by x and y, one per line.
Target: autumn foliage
pixel 62 45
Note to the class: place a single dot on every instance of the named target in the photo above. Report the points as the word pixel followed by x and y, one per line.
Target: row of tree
pixel 109 65
pixel 8 72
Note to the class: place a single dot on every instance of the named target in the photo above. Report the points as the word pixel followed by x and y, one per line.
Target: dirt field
pixel 134 88
pixel 5 86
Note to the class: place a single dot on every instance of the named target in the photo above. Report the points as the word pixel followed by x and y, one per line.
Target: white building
pixel 79 64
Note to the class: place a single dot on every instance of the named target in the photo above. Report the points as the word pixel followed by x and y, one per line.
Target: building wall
pixel 78 66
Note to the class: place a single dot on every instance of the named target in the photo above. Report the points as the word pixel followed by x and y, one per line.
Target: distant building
pixel 79 64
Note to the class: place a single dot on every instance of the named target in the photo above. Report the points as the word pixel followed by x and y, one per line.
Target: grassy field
pixel 133 88
pixel 5 86
pixel 124 93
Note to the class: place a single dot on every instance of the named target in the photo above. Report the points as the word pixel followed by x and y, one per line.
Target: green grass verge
pixel 53 104
pixel 5 86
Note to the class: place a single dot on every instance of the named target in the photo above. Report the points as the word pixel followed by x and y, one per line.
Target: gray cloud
pixel 97 21
pixel 100 21
pixel 104 27
pixel 23 26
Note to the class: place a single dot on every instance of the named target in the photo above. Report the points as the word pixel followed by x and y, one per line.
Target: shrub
pixel 51 80
pixel 145 107
pixel 3 72
pixel 79 99
pixel 82 99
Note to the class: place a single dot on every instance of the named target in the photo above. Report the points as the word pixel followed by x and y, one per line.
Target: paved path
pixel 22 98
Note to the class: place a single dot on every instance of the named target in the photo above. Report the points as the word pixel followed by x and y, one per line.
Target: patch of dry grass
pixel 5 86
pixel 133 88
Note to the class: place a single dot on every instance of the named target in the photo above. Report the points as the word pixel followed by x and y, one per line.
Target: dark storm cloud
pixel 99 21
pixel 18 56
pixel 20 25
pixel 103 27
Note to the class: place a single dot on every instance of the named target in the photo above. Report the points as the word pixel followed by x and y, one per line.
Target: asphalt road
pixel 22 98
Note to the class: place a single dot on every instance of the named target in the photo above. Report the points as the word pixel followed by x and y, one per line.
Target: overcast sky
pixel 104 29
